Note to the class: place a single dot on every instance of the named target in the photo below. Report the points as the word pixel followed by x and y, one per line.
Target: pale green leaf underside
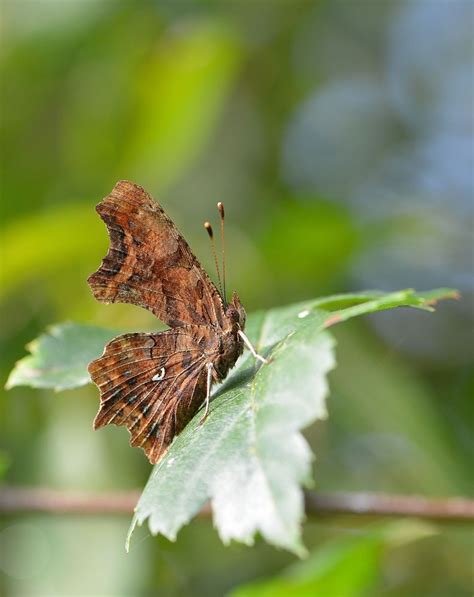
pixel 249 458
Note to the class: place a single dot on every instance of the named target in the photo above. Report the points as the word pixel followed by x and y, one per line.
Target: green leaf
pixel 346 567
pixel 60 357
pixel 249 458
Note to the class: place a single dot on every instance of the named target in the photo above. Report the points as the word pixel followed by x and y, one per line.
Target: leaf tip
pixel 10 383
pixel 332 320
pixel 300 550
pixel 449 294
pixel 131 528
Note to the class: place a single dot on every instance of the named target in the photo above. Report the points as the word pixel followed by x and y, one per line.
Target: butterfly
pixel 154 383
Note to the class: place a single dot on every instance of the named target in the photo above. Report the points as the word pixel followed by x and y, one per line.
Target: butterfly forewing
pixel 149 263
pixel 151 383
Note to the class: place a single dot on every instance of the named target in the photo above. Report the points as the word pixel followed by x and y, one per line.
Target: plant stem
pixel 16 500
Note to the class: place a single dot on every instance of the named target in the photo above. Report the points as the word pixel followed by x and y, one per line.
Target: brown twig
pixel 31 499
pixel 16 500
pixel 376 504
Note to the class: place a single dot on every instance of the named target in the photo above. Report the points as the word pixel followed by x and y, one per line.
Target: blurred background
pixel 340 137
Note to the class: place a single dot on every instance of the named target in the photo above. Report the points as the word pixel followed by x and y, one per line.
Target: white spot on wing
pixel 303 314
pixel 159 376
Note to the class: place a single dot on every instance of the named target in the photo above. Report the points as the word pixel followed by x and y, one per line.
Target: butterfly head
pixel 236 312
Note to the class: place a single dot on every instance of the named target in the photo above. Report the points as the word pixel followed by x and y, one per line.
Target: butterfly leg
pixel 208 393
pixel 248 344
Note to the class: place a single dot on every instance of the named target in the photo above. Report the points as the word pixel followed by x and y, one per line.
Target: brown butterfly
pixel 155 383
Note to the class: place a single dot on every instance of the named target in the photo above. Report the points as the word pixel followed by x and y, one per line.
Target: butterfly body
pixel 155 383
pixel 231 345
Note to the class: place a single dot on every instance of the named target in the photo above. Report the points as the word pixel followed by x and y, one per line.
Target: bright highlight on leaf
pixel 249 458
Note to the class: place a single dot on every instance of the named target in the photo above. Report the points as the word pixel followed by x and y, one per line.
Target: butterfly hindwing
pixel 153 384
pixel 149 263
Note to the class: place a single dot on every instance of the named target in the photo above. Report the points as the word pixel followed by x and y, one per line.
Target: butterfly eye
pixel 159 376
pixel 232 313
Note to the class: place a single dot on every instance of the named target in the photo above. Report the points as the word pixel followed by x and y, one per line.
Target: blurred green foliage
pixel 195 100
pixel 346 567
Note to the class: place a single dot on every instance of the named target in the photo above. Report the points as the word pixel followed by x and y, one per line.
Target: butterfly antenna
pixel 220 207
pixel 208 227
